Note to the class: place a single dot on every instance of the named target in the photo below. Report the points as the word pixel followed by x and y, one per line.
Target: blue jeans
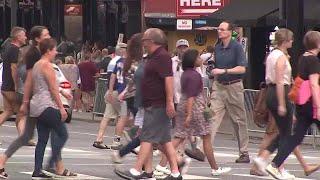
pixel 49 120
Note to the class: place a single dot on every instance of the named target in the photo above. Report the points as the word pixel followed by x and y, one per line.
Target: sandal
pixel 100 145
pixel 3 174
pixel 68 173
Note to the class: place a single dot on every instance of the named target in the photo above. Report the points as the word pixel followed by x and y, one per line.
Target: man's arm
pixel 169 96
pixel 14 75
pixel 169 89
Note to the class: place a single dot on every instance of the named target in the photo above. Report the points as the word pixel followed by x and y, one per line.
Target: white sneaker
pixel 287 175
pixel 261 164
pixel 156 153
pixel 116 157
pixel 162 170
pixel 184 165
pixel 137 149
pixel 220 171
pixel 274 172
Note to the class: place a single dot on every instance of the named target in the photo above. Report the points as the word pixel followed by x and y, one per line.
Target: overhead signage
pixel 184 24
pixel 196 8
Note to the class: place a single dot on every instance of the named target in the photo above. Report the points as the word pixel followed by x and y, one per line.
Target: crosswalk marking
pixel 79 176
pixel 193 177
pixel 263 177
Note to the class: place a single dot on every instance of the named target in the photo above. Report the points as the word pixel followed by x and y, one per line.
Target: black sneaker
pixel 146 175
pixel 170 177
pixel 40 175
pixel 126 174
pixel 244 158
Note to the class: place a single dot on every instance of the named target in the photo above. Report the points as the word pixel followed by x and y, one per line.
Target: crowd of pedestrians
pixel 162 95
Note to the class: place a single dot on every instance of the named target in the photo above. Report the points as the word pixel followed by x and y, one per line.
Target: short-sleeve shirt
pixel 228 58
pixel 33 55
pixel 87 70
pixel 120 83
pixel 158 66
pixel 10 56
pixel 191 83
pixel 308 65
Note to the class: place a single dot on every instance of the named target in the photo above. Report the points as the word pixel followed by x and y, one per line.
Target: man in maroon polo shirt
pixel 157 95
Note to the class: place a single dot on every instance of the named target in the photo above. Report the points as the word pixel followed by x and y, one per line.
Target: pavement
pixel 90 163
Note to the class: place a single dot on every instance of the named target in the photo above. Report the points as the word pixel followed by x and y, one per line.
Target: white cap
pixel 182 42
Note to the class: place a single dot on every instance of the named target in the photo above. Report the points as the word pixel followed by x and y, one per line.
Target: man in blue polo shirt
pixel 227 89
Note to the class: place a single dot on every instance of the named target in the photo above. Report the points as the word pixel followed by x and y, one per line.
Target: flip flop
pixel 100 145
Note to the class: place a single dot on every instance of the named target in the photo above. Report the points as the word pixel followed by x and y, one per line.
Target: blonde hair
pixel 311 40
pixel 282 35
pixel 69 60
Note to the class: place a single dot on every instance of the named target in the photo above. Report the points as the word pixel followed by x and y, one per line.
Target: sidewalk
pixel 85 116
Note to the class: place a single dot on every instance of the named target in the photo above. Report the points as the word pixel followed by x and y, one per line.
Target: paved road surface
pixel 91 163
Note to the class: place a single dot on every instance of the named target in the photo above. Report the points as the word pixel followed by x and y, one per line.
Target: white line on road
pixel 259 177
pixel 79 176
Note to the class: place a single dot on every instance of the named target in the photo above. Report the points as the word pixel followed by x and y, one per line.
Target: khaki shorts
pixel 116 109
pixel 10 101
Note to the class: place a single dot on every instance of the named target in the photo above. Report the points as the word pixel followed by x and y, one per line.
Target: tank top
pixel 41 99
pixel 271 68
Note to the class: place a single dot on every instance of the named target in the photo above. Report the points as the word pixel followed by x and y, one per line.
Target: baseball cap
pixel 182 42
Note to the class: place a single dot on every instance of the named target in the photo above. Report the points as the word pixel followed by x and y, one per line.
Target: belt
pixel 230 82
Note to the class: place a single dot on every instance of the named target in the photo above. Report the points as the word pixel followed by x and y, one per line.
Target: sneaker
pixel 184 165
pixel 220 171
pixel 126 174
pixel 116 145
pixel 195 154
pixel 159 170
pixel 40 175
pixel 3 174
pixel 156 152
pixel 244 158
pixel 274 172
pixel 146 175
pixel 256 172
pixel 116 157
pixel 261 164
pixel 170 177
pixel 287 175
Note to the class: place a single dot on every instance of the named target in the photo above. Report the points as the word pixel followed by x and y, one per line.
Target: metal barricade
pixel 249 96
pixel 99 102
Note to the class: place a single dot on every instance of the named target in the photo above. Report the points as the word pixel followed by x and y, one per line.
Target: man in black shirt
pixel 9 76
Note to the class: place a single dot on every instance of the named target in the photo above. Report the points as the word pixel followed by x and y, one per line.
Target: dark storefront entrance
pixel 100 20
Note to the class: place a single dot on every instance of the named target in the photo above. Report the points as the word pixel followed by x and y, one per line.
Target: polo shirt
pixel 158 66
pixel 228 58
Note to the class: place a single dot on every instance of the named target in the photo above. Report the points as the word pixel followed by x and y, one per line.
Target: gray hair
pixel 157 36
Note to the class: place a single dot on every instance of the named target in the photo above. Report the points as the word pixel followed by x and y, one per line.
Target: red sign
pixel 73 10
pixel 191 8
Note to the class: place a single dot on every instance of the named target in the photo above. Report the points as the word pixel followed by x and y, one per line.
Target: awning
pixel 246 12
